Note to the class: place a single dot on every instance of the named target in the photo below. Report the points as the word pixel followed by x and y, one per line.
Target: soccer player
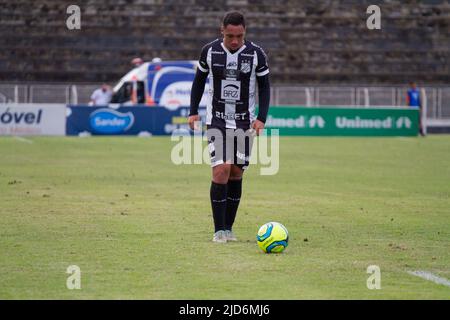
pixel 234 66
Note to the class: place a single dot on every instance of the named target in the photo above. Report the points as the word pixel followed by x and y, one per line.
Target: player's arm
pixel 264 97
pixel 262 77
pixel 198 86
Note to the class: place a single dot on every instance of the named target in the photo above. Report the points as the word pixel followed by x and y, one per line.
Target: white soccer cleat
pixel 220 237
pixel 230 235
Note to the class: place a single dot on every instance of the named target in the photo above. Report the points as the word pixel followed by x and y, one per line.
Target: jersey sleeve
pixel 262 68
pixel 203 62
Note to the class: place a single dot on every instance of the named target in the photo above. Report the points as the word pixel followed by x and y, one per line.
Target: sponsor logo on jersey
pixel 231 73
pixel 232 64
pixel 217 52
pixel 231 90
pixel 230 116
pixel 247 55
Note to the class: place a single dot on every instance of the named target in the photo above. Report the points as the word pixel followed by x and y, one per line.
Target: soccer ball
pixel 272 237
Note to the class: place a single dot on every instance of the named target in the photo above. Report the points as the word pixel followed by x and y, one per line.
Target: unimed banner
pixel 335 121
pixel 32 119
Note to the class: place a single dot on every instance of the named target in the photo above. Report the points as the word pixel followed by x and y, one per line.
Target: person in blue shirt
pixel 413 99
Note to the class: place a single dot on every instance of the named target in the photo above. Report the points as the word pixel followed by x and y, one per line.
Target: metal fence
pixel 437 98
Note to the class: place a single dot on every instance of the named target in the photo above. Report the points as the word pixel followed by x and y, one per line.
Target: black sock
pixel 233 199
pixel 218 196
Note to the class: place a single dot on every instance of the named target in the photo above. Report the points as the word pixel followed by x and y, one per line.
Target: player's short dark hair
pixel 234 18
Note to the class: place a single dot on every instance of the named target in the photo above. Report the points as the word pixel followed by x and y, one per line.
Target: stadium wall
pixel 311 41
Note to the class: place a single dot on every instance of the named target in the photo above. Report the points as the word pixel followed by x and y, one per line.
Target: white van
pixel 158 83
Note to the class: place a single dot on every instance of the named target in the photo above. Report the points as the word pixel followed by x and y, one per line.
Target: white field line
pixel 21 139
pixel 430 277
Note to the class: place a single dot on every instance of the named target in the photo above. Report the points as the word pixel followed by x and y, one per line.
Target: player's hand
pixel 258 126
pixel 192 122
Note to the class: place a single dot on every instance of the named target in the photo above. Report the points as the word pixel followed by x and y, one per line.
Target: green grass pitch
pixel 140 227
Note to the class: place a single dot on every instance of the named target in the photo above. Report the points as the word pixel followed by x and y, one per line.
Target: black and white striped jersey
pixel 232 83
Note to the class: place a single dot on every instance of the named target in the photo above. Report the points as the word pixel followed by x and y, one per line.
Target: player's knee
pixel 221 174
pixel 236 173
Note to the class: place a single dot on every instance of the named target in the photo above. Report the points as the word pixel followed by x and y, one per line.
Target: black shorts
pixel 232 146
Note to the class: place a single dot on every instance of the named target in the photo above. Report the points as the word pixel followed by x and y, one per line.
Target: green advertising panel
pixel 333 121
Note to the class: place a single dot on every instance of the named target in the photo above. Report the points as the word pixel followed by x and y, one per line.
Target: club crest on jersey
pixel 245 67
